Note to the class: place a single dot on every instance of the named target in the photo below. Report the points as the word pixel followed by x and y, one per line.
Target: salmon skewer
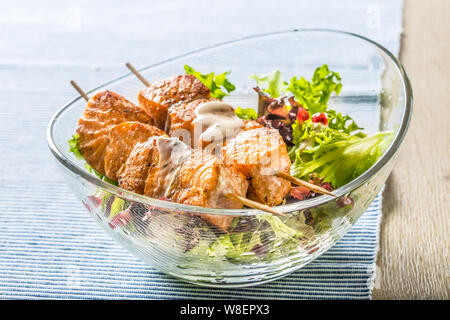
pixel 158 97
pixel 122 139
pixel 179 110
pixel 139 156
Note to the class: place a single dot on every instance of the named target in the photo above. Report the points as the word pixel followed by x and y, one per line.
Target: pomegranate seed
pixel 320 117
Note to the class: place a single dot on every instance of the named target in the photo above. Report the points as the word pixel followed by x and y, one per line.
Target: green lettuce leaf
pixel 117 206
pixel 271 83
pixel 214 82
pixel 238 246
pixel 246 114
pixel 74 146
pixel 340 122
pixel 283 232
pixel 335 156
pixel 278 238
pixel 314 95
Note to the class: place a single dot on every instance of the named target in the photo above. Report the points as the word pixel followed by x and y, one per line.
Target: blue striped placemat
pixel 51 248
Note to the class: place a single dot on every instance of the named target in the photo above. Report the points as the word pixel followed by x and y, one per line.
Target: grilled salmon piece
pixel 137 166
pixel 260 153
pixel 122 139
pixel 167 168
pixel 251 124
pixel 180 119
pixel 103 111
pixel 158 97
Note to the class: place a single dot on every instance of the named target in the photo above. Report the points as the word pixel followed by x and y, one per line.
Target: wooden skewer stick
pixel 137 74
pixel 305 184
pixel 282 175
pixel 254 204
pixel 80 91
pixel 244 201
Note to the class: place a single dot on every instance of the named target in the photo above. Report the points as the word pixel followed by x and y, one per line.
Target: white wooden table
pixel 414 257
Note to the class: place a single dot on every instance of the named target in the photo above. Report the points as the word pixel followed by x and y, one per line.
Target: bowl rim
pixel 292 207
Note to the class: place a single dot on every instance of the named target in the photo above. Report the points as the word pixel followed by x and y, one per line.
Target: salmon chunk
pixel 122 139
pixel 180 119
pixel 158 97
pixel 260 153
pixel 103 111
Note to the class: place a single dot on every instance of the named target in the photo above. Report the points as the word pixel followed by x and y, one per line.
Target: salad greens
pixel 74 146
pixel 323 143
pixel 213 82
pixel 117 206
pixel 339 122
pixel 314 95
pixel 268 239
pixel 246 114
pixel 335 156
pixel 271 83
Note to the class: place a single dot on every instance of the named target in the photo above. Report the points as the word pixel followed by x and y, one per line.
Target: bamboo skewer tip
pixel 80 91
pixel 305 184
pixel 138 74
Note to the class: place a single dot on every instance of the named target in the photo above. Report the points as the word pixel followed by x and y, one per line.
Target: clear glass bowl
pixel 172 238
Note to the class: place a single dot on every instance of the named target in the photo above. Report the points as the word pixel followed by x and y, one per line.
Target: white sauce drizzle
pixel 216 121
pixel 172 153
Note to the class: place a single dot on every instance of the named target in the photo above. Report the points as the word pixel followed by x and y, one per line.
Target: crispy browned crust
pixel 251 124
pixel 259 153
pixel 158 97
pixel 141 159
pixel 103 111
pixel 122 139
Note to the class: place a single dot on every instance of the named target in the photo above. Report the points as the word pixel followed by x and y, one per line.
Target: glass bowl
pixel 174 239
